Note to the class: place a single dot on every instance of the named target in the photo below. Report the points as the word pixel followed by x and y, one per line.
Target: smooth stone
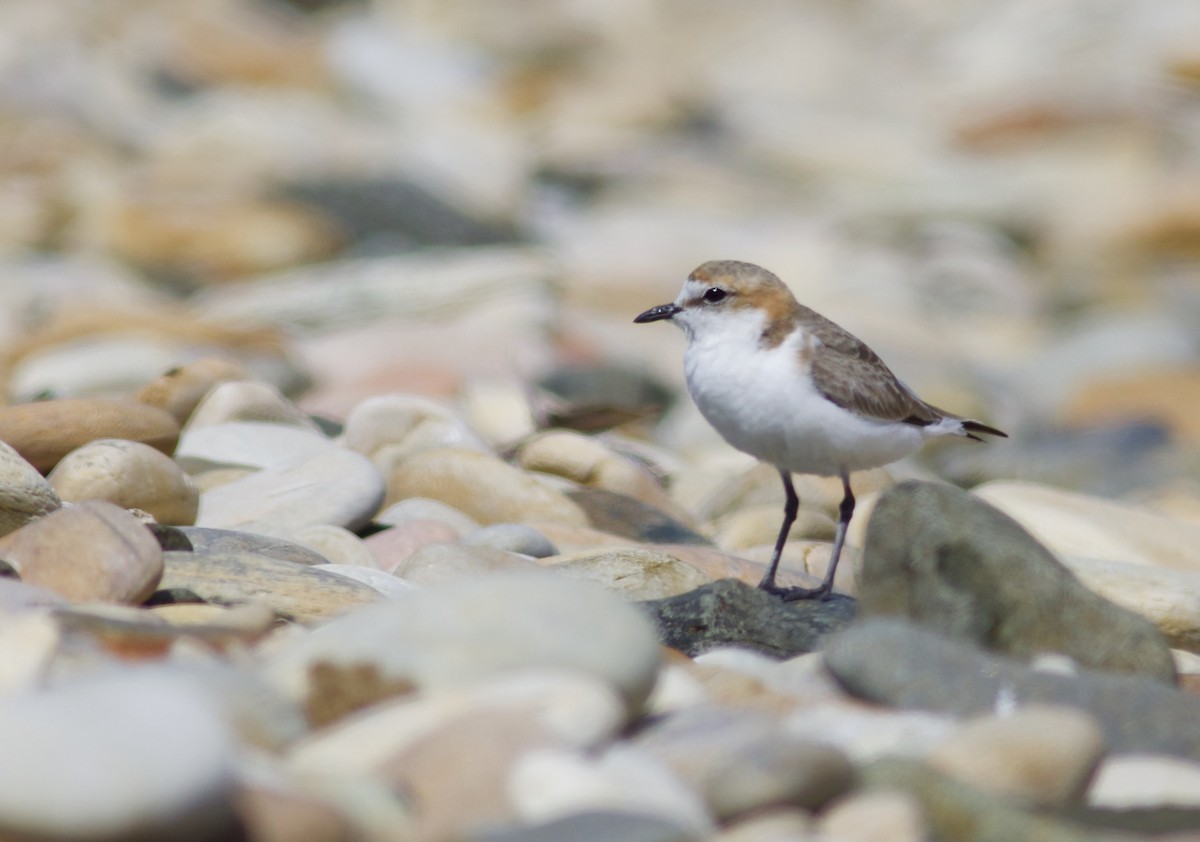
pixel 207 540
pixel 392 546
pixel 439 564
pixel 865 733
pixel 770 826
pixel 423 508
pixel 25 495
pixel 481 486
pixel 626 516
pixel 418 744
pixel 591 463
pixel 89 551
pixel 1145 781
pixel 97 366
pixel 741 761
pixel 99 759
pixel 594 826
pixel 634 573
pixel 874 816
pixel 729 612
pixel 338 545
pixel 548 784
pixel 292 590
pixel 498 410
pixel 896 663
pixel 271 812
pixel 128 474
pixel 1038 755
pixel 512 537
pixel 249 401
pixel 1072 524
pixel 247 444
pixel 335 486
pixel 482 628
pixel 1168 598
pixel 383 582
pixel 759 525
pixel 180 389
pixel 945 558
pixel 46 431
pixel 405 424
pixel 954 810
pixel 134 633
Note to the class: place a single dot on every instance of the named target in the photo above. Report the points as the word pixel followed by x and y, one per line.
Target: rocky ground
pixel 340 499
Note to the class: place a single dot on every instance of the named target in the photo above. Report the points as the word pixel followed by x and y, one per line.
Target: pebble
pixel 206 540
pixel 638 574
pixel 1040 755
pixel 180 389
pixel 25 495
pixel 425 509
pixel 334 486
pixel 140 723
pixel 514 538
pixel 98 366
pixel 943 557
pixel 1145 781
pixel 246 444
pixel 1076 524
pixel 481 486
pixel 742 761
pixel 249 401
pixel 46 431
pixel 413 744
pixel 452 635
pixel 589 462
pixel 405 424
pixel 550 784
pixel 393 546
pixel 437 564
pixel 131 475
pixel 895 663
pixel 338 545
pixel 383 582
pixel 91 551
pixel 875 816
pixel 297 591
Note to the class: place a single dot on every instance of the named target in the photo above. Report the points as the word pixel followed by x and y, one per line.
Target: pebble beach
pixel 341 498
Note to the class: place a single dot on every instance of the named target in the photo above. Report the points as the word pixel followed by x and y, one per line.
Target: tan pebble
pixel 1042 755
pixel 875 816
pixel 28 642
pixel 1171 397
pixel 442 563
pixel 180 390
pixel 131 475
pixel 1146 781
pixel 248 400
pixel 403 424
pixel 92 551
pixel 25 495
pixel 270 813
pixel 587 461
pixel 774 825
pixel 46 431
pixel 208 480
pixel 339 545
pixel 219 239
pixel 760 524
pixel 636 573
pixel 482 486
pixel 498 409
pixel 392 546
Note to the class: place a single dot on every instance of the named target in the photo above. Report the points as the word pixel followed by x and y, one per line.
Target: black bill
pixel 662 311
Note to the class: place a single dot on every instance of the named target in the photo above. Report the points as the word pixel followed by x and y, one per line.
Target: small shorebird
pixel 788 386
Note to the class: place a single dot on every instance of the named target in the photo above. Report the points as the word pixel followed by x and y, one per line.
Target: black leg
pixel 790 508
pixel 845 512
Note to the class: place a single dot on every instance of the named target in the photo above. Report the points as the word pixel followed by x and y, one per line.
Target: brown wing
pixel 851 375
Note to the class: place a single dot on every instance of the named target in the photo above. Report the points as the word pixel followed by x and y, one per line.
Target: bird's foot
pixel 822 592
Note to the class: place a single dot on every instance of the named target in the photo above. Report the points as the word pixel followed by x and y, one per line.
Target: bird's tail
pixel 971 428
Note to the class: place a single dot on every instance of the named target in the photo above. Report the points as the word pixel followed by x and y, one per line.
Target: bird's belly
pixel 792 426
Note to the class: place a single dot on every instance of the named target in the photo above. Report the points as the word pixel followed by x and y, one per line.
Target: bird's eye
pixel 714 294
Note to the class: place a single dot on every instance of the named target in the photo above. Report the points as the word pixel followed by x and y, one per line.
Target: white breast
pixel 762 402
